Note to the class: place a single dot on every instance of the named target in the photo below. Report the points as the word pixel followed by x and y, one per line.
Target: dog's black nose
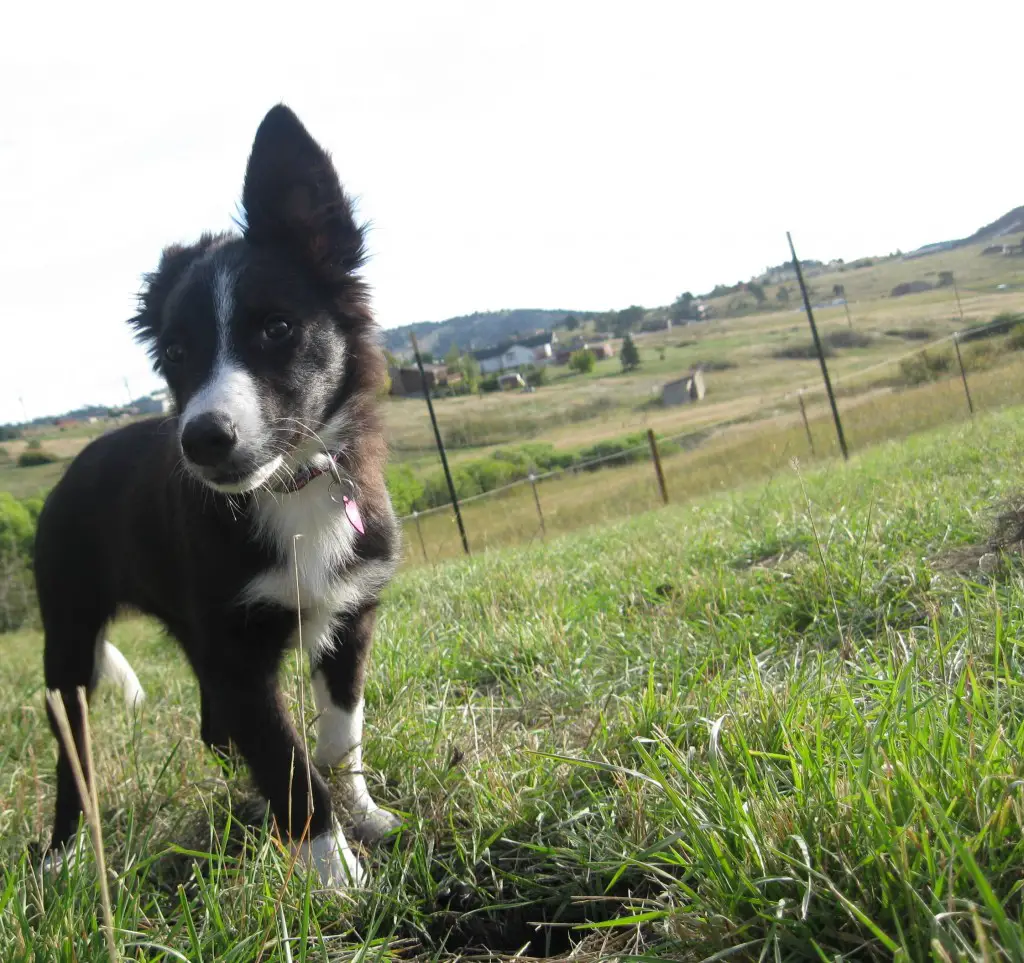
pixel 208 439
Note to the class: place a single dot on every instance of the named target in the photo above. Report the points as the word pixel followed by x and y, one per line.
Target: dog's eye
pixel 276 329
pixel 174 353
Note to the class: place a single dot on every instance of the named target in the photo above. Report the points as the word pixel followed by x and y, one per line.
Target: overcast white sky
pixel 581 155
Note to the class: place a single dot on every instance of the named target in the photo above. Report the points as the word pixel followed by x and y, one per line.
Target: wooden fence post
pixel 963 372
pixel 807 426
pixel 653 442
pixel 419 531
pixel 536 501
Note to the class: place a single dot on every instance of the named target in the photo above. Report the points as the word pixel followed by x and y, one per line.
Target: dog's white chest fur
pixel 321 575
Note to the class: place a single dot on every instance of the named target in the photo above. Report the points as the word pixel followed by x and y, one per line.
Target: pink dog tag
pixel 352 514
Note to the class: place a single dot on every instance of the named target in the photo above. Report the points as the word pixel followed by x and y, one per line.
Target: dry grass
pixel 734 457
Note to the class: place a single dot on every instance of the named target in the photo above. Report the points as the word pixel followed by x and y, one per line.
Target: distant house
pixel 537 349
pixel 601 350
pixel 684 390
pixel 785 272
pixel 155 403
pixel 515 356
pixel 406 380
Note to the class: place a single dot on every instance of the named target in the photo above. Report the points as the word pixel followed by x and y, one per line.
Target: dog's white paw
pixel 333 860
pixel 373 825
pixel 54 860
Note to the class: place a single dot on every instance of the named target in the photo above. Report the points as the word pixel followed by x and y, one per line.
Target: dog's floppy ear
pixel 157 286
pixel 292 197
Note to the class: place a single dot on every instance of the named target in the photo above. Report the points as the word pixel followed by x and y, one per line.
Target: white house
pixel 536 350
pixel 516 356
pixel 155 403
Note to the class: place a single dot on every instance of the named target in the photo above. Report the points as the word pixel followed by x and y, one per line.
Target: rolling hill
pixel 472 331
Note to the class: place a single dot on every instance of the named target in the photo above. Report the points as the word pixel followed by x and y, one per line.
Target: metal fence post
pixel 821 354
pixel 653 442
pixel 440 444
pixel 963 372
pixel 536 501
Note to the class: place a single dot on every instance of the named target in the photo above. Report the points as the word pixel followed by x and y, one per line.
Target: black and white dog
pixel 258 514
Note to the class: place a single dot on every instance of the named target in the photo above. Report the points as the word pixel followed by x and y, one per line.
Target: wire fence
pixel 944 380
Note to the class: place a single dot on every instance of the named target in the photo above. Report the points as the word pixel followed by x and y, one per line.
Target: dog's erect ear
pixel 292 197
pixel 157 286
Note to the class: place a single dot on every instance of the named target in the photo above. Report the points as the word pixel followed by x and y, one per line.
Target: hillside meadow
pixel 779 722
pixel 756 358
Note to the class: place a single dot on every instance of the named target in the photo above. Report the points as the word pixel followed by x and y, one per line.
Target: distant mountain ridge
pixel 483 329
pixel 1012 222
pixel 473 331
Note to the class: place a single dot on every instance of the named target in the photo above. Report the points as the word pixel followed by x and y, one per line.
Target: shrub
pixel 629 355
pixel 926 366
pixel 507 465
pixel 1015 340
pixel 847 338
pixel 583 361
pixel 405 488
pixel 17 525
pixel 490 383
pixel 34 445
pixel 17 592
pixel 910 334
pixel 714 365
pixel 909 287
pixel 17 531
pixel 801 352
pixel 537 376
pixel 29 458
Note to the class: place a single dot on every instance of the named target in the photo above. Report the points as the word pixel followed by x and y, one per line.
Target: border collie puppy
pixel 255 518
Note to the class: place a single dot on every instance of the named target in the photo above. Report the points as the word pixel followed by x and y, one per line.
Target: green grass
pixel 27 482
pixel 748 451
pixel 772 724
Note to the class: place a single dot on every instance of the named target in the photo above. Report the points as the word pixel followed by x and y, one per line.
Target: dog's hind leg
pixel 339 676
pixel 213 726
pixel 69 662
pixel 112 665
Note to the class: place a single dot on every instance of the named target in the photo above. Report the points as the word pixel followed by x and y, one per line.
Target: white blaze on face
pixel 230 390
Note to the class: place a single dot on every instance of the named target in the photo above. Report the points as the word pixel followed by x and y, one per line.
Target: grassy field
pixel 782 722
pixel 576 409
pixel 740 453
pixel 741 344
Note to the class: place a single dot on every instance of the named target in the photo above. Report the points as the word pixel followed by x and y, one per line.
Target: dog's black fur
pixel 268 346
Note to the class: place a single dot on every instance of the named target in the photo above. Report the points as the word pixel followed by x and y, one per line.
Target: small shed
pixel 511 380
pixel 405 380
pixel 684 390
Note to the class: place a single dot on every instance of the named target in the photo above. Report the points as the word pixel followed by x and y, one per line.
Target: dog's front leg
pixel 250 707
pixel 339 676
